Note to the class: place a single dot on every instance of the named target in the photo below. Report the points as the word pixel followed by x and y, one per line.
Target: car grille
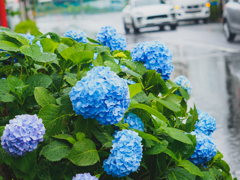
pixel 156 17
pixel 193 7
pixel 196 11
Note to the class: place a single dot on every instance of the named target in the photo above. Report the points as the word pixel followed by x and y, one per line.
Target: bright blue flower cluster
pixel 126 154
pixel 77 35
pixel 184 83
pixel 155 56
pixel 85 176
pixel 22 135
pixel 31 38
pixel 108 37
pixel 102 95
pixel 206 124
pixel 134 121
pixel 205 149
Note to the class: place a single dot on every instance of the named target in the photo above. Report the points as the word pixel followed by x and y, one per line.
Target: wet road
pixel 202 54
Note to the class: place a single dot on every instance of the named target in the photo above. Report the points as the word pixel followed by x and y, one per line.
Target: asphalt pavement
pixel 201 53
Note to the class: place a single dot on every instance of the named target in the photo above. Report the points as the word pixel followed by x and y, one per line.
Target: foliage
pixel 76 144
pixel 27 26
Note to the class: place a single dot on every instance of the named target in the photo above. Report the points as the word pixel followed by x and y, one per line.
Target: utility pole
pixel 22 10
pixel 3 14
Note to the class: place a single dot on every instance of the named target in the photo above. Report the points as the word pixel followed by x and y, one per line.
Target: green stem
pixel 61 80
pixel 150 79
pixel 78 73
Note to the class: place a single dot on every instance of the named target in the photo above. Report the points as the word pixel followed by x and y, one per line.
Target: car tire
pixel 227 31
pixel 161 28
pixel 127 30
pixel 135 29
pixel 173 26
pixel 205 21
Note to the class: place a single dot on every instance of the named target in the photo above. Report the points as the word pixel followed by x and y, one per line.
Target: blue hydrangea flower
pixel 108 37
pixel 31 38
pixel 126 154
pixel 102 95
pixel 206 124
pixel 85 176
pixel 22 135
pixel 184 83
pixel 155 56
pixel 134 121
pixel 77 35
pixel 205 149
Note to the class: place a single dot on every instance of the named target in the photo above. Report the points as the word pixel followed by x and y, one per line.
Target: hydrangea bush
pixel 73 109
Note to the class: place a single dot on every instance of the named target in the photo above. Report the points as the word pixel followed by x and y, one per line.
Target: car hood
pixel 156 9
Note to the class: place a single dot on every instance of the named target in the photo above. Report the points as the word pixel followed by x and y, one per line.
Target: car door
pixel 233 17
pixel 238 15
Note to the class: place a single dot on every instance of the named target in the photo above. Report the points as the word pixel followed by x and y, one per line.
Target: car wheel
pixel 228 34
pixel 173 27
pixel 127 30
pixel 135 29
pixel 161 28
pixel 205 21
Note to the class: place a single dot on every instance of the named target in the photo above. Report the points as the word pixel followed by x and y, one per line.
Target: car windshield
pixel 148 2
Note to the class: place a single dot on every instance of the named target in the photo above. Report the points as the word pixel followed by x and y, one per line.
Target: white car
pixel 192 10
pixel 145 13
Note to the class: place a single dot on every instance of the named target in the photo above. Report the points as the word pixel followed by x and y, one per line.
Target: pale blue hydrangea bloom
pixel 22 135
pixel 134 121
pixel 85 176
pixel 77 35
pixel 129 81
pixel 126 154
pixel 206 124
pixel 31 38
pixel 205 149
pixel 155 56
pixel 184 83
pixel 108 37
pixel 101 95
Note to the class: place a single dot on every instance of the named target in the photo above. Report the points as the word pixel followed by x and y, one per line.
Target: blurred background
pixel 202 34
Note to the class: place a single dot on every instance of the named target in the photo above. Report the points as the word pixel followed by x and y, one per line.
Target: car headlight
pixel 208 5
pixel 176 7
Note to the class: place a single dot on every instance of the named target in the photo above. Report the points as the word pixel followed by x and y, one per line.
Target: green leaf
pixel 80 136
pixel 14 82
pixel 184 93
pixel 9 46
pixel 222 165
pixel 14 112
pixel 21 40
pixel 158 123
pixel 141 98
pixel 190 167
pixel 3 154
pixel 84 153
pixel 191 121
pixel 174 98
pixel 43 96
pixel 55 37
pixel 94 41
pixel 179 174
pixel 149 110
pixel 104 138
pixel 147 136
pixel 170 105
pixel 4 86
pixel 7 98
pixel 72 81
pixel 31 51
pixel 48 45
pixel 177 134
pixel 84 125
pixel 216 173
pixel 140 68
pixel 38 80
pixel 132 73
pixel 81 57
pixel 67 41
pixel 114 67
pixel 170 153
pixel 67 137
pixel 55 151
pixel 53 120
pixel 157 148
pixel 135 89
pixel 1 130
pixel 25 163
pixel 66 105
pixel 207 176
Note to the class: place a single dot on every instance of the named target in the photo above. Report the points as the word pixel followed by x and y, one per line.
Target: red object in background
pixel 3 14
